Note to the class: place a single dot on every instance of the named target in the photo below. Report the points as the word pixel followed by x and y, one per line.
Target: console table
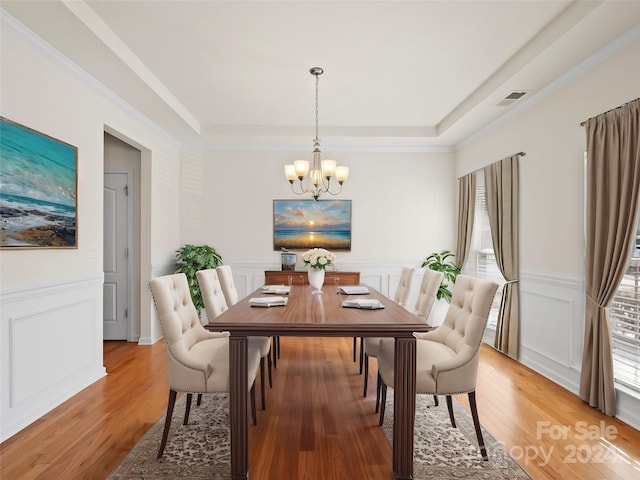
pixel 299 277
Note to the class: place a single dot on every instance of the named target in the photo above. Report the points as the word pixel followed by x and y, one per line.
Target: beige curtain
pixel 466 210
pixel 501 184
pixel 613 183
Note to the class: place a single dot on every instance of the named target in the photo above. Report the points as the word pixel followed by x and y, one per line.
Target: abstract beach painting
pixel 38 189
pixel 304 224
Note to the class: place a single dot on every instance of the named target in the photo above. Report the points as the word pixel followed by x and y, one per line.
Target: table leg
pixel 238 378
pixel 404 408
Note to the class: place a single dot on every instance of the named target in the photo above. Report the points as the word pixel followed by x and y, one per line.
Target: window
pixel 624 323
pixel 482 259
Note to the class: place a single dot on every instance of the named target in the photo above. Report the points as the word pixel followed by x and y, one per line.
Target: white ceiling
pixel 414 73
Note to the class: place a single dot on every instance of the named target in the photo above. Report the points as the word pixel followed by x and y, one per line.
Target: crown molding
pixel 39 44
pixel 625 40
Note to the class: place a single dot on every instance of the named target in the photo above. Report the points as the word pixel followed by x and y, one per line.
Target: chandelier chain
pixel 317 82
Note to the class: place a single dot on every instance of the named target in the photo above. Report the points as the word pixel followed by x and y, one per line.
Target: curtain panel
pixel 466 211
pixel 502 191
pixel 613 185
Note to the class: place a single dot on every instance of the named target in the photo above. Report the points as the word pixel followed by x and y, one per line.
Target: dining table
pixel 321 315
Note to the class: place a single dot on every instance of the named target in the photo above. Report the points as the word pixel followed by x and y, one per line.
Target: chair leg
pixel 262 386
pixel 278 346
pixel 436 401
pixel 366 374
pixel 355 348
pixel 187 409
pixel 269 369
pixel 199 400
pixel 274 351
pixel 476 423
pixel 378 391
pixel 450 408
pixel 167 422
pixel 383 402
pixel 361 354
pixel 252 392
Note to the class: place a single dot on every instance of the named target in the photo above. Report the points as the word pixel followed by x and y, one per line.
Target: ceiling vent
pixel 510 99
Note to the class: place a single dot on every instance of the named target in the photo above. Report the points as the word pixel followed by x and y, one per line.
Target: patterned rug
pixel 444 452
pixel 201 449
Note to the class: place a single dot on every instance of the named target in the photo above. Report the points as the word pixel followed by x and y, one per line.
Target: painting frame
pixel 39 191
pixel 302 224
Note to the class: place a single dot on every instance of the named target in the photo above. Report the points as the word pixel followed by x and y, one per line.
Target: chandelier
pixel 322 171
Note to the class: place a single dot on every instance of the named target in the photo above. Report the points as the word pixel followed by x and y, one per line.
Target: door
pixel 116 258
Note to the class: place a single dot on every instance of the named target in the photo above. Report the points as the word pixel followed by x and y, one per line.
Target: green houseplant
pixel 190 259
pixel 443 262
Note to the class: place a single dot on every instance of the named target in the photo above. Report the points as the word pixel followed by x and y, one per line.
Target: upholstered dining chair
pixel 447 357
pixel 429 285
pixel 225 275
pixel 198 360
pixel 404 286
pixel 215 303
pixel 427 294
pixel 400 297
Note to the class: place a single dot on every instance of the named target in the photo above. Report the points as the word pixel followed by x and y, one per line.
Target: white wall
pixel 51 317
pixel 403 206
pixel 552 209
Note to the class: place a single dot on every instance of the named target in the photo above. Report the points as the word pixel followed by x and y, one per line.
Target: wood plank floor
pixel 316 415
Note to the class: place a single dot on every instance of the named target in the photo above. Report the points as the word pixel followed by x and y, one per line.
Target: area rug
pixel 201 449
pixel 444 452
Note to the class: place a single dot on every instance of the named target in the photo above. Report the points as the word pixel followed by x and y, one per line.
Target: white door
pixel 115 261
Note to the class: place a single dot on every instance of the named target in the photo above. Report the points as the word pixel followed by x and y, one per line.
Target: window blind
pixel 624 324
pixel 482 261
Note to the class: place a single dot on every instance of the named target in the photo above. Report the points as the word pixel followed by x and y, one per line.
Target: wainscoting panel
pixel 51 347
pixel 551 327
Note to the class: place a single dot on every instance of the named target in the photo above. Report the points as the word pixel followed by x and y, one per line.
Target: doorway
pixel 121 259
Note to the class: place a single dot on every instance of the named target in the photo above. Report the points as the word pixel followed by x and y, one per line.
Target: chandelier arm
pixel 335 193
pixel 302 190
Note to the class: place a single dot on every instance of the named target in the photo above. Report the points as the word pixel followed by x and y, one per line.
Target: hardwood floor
pixel 317 416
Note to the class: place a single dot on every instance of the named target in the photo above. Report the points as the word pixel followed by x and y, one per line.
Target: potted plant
pixel 443 262
pixel 190 259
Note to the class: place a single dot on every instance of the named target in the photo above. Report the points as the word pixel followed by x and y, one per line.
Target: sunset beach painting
pixel 38 185
pixel 304 224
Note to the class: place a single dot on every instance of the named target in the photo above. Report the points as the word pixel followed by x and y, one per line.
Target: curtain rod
pixel 582 124
pixel 522 154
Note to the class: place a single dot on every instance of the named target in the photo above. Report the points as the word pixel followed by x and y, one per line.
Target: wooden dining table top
pixel 307 314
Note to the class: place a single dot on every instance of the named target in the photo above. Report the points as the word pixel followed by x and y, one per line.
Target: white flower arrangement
pixel 318 258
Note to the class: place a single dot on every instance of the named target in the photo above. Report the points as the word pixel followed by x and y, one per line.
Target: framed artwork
pixel 305 224
pixel 38 192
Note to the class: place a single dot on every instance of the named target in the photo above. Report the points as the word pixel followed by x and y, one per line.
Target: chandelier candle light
pixel 322 171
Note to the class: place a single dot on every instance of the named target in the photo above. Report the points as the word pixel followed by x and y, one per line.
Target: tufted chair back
pixel 428 291
pixel 228 287
pixel 190 370
pixel 462 332
pixel 211 291
pixel 404 286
